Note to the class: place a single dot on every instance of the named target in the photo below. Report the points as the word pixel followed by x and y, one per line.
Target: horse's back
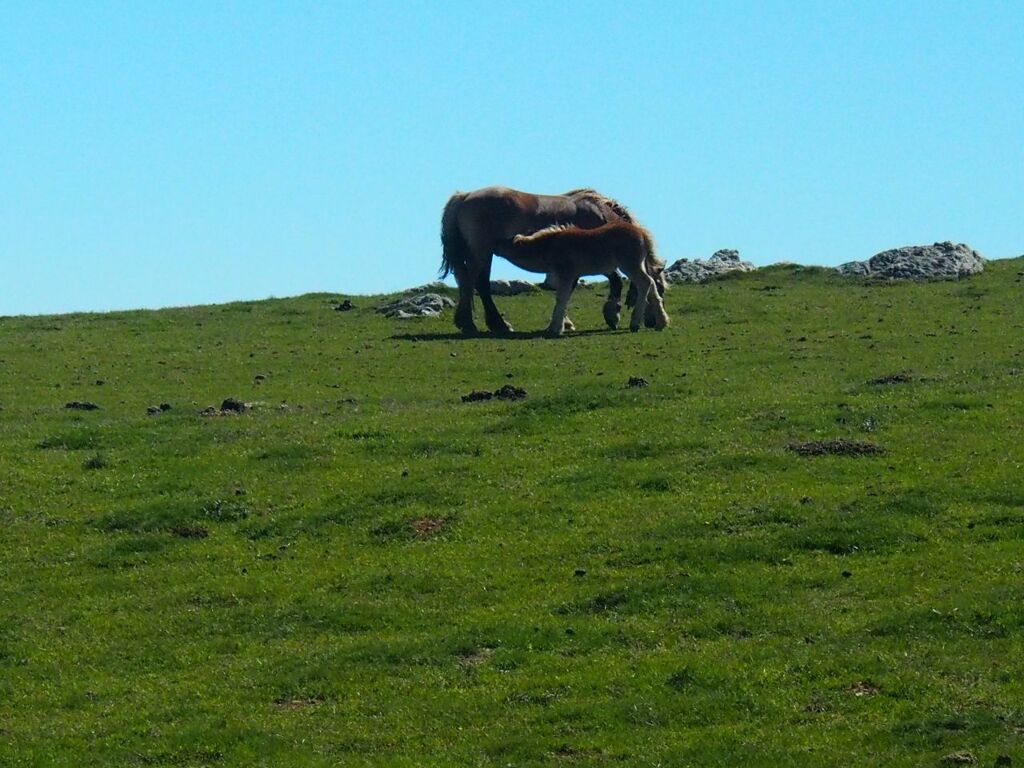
pixel 490 192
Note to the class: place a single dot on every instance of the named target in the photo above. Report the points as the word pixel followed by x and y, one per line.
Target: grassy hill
pixel 365 570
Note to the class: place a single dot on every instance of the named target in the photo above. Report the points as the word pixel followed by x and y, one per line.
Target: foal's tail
pixel 455 251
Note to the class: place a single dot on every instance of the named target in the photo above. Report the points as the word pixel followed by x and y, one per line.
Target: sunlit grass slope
pixel 364 570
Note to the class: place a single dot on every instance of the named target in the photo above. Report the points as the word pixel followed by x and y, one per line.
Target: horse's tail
pixel 455 250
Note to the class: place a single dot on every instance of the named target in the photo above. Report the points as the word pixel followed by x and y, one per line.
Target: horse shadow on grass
pixel 514 336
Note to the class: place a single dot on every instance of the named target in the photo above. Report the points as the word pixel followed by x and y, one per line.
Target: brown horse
pixel 569 251
pixel 477 225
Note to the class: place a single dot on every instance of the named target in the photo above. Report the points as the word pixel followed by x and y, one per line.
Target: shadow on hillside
pixel 514 336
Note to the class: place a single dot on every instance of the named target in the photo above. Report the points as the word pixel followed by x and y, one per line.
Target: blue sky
pixel 163 154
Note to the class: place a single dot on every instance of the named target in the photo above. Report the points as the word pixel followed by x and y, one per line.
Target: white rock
pixel 941 261
pixel 419 305
pixel 512 287
pixel 698 270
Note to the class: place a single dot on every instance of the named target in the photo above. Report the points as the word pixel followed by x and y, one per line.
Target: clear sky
pixel 162 154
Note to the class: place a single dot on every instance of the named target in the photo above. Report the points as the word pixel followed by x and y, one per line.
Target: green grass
pixel 366 571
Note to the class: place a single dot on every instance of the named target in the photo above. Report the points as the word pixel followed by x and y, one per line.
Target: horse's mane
pixel 586 193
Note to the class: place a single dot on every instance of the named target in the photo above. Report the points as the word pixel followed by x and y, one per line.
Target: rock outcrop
pixel 941 261
pixel 417 305
pixel 699 270
pixel 512 287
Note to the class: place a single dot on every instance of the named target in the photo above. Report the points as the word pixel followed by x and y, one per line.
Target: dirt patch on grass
pixel 838 447
pixel 507 392
pixel 230 407
pixel 568 752
pixel 476 658
pixel 190 531
pixel 293 704
pixel 893 378
pixel 428 526
pixel 510 392
pixel 78 405
pixel 863 688
pixel 962 758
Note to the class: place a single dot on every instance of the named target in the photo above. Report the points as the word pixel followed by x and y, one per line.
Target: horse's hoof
pixel 634 328
pixel 553 334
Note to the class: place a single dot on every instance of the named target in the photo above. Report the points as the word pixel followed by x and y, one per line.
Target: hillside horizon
pixel 501 269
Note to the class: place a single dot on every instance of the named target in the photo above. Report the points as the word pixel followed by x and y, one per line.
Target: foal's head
pixel 658 273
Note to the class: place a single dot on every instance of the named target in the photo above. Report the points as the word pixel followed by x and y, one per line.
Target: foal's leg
pixel 655 316
pixel 644 285
pixel 566 285
pixel 649 304
pixel 551 283
pixel 495 322
pixel 613 304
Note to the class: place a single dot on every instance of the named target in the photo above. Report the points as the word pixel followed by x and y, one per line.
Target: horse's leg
pixel 566 285
pixel 495 322
pixel 613 304
pixel 465 278
pixel 464 311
